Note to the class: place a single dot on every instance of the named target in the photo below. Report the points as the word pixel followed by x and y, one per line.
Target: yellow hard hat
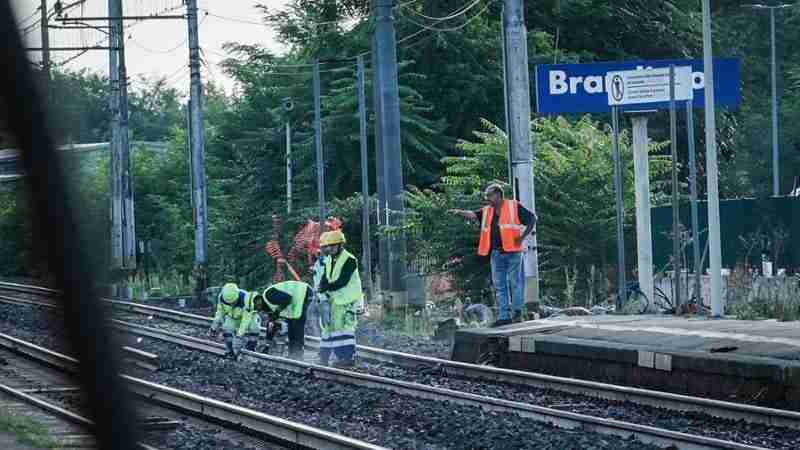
pixel 230 292
pixel 332 237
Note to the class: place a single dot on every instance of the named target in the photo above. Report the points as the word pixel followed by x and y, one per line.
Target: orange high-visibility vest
pixel 510 227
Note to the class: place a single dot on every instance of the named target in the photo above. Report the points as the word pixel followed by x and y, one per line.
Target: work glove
pixel 325 311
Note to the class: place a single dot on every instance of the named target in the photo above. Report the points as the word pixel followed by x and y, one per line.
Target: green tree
pixel 574 195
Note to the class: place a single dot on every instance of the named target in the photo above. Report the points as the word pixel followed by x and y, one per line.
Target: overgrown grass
pixel 409 322
pixel 765 298
pixel 27 431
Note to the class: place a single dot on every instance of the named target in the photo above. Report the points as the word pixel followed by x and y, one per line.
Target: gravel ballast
pixel 372 415
pixel 190 366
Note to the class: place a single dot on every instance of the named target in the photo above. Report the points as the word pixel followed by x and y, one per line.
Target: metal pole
pixel 128 215
pixel 366 245
pixel 386 62
pixel 519 126
pixel 676 234
pixel 505 107
pixel 380 175
pixel 775 169
pixel 318 145
pixel 621 285
pixel 693 186
pixel 715 249
pixel 117 243
pixel 288 167
pixel 198 146
pixel 45 30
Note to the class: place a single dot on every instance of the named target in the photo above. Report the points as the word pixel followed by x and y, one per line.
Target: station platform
pixel 752 361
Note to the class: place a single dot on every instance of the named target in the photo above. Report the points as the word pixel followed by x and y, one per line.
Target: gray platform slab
pixel 692 355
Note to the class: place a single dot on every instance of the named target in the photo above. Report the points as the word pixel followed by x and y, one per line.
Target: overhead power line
pixel 449 29
pixel 458 12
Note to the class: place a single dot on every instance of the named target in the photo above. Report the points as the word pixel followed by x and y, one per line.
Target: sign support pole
pixel 644 232
pixel 693 187
pixel 676 232
pixel 715 246
pixel 621 284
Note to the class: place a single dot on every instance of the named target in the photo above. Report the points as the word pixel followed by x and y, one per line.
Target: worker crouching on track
pixel 339 294
pixel 236 313
pixel 289 301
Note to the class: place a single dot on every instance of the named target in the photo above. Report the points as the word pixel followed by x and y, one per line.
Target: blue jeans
pixel 508 281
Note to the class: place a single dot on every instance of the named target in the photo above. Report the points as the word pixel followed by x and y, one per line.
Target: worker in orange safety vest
pixel 504 226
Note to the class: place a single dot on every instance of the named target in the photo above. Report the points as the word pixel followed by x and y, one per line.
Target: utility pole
pixel 775 173
pixel 318 145
pixel 117 242
pixel 288 167
pixel 45 50
pixel 388 111
pixel 380 177
pixel 288 106
pixel 715 248
pixel 198 144
pixel 366 252
pixel 128 216
pixel 774 87
pixel 519 129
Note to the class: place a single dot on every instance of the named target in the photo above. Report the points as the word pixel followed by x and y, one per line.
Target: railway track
pixel 675 402
pixel 209 410
pixel 561 418
pixel 49 398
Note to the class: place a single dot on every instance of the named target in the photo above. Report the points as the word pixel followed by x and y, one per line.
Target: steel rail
pixel 55 410
pixel 676 402
pixel 206 408
pixel 561 419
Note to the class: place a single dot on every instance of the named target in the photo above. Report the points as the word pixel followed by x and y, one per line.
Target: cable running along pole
pixel 366 239
pixel 318 144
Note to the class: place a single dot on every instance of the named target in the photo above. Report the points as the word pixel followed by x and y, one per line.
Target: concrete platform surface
pixel 721 358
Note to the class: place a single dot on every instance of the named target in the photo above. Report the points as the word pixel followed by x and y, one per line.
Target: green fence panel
pixel 738 219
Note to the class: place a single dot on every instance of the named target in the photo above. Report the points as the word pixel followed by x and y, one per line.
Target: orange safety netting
pixel 304 248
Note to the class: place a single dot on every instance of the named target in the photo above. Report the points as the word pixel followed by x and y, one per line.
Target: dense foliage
pixel 451 92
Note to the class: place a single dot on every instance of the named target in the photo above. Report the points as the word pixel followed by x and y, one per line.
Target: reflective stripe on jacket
pixel 511 228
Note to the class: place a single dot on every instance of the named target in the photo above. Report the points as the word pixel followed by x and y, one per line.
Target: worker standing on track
pixel 236 313
pixel 504 226
pixel 288 301
pixel 339 294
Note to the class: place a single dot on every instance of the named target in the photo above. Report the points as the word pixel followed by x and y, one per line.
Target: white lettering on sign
pixel 560 83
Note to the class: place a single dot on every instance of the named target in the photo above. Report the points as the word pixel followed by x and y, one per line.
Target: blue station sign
pixel 581 88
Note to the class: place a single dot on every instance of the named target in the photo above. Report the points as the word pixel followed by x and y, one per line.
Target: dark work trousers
pixel 297 330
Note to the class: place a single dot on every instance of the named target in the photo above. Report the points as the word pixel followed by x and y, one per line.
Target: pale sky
pixel 158 47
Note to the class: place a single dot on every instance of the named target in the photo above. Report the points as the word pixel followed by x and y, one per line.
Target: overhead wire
pixel 455 28
pixel 458 12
